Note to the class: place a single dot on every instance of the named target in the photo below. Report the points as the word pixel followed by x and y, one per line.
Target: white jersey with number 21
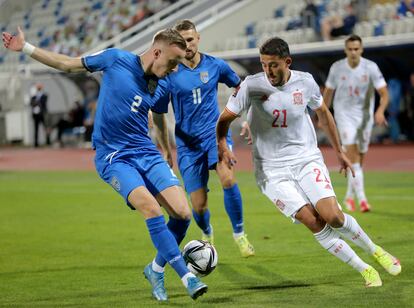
pixel 282 131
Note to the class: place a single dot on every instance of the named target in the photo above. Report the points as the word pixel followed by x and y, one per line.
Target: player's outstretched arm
pixel 328 124
pixel 58 61
pixel 383 103
pixel 161 128
pixel 222 129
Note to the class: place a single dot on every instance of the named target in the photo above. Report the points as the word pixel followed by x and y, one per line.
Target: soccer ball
pixel 200 256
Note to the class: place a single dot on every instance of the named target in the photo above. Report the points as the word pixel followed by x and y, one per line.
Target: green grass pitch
pixel 67 239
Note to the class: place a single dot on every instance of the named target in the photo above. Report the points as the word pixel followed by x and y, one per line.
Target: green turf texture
pixel 67 239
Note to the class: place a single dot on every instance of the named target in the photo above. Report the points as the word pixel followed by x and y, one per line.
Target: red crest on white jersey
pixel 298 98
pixel 364 78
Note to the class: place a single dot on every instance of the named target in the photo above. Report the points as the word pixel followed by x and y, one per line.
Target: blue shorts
pixel 195 163
pixel 127 170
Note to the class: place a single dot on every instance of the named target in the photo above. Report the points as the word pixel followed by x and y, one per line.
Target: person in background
pixel 405 8
pixel 75 118
pixel 353 80
pixel 38 104
pixel 335 26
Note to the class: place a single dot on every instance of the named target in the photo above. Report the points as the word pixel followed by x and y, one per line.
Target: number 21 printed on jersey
pixel 278 113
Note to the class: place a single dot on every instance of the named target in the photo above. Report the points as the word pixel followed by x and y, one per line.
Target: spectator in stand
pixel 74 119
pixel 309 14
pixel 335 26
pixel 406 8
pixel 308 17
pixel 141 14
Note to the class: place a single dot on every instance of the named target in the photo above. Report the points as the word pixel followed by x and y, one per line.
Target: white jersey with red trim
pixel 354 89
pixel 282 131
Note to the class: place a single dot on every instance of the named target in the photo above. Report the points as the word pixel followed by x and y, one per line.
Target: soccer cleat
pixel 208 237
pixel 246 249
pixel 372 278
pixel 364 206
pixel 350 204
pixel 157 282
pixel 196 287
pixel 390 263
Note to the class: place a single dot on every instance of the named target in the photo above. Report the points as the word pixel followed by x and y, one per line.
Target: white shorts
pixel 353 132
pixel 292 187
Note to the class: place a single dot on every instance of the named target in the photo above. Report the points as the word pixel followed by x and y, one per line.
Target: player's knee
pixel 227 181
pixel 335 220
pixel 311 220
pixel 183 214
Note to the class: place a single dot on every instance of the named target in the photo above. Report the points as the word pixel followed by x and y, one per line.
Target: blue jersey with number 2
pixel 121 120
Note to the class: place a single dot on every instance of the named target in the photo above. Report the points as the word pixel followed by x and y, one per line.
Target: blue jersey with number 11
pixel 193 93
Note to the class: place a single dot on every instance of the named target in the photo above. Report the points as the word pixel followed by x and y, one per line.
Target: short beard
pixel 190 57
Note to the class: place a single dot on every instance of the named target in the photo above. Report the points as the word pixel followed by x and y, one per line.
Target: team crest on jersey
pixel 280 204
pixel 364 78
pixel 297 98
pixel 115 183
pixel 152 85
pixel 343 77
pixel 204 77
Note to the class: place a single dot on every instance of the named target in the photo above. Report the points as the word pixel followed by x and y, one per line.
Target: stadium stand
pixel 231 29
pixel 288 22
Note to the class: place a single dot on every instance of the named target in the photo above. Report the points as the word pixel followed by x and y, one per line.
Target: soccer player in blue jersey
pixel 192 91
pixel 125 157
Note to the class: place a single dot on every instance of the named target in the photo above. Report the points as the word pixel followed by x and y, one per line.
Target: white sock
pixel 156 267
pixel 353 232
pixel 185 278
pixel 358 182
pixel 330 240
pixel 237 235
pixel 349 190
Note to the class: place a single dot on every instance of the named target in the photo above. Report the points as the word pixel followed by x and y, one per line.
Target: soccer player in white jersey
pixel 289 166
pixel 353 80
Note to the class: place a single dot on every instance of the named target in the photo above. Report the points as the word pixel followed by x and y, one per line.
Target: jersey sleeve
pixel 227 75
pixel 239 100
pixel 331 80
pixel 316 98
pixel 161 97
pixel 101 60
pixel 377 77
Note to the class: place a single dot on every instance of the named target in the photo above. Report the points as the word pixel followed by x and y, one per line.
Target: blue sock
pixel 203 221
pixel 178 228
pixel 234 208
pixel 166 244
